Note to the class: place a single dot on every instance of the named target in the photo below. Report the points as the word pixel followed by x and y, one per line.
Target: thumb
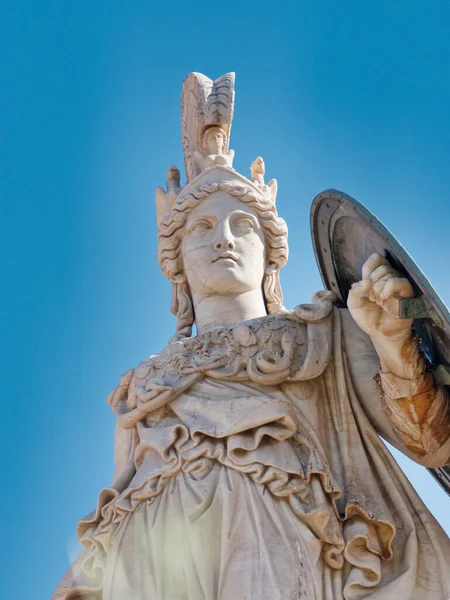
pixel 357 296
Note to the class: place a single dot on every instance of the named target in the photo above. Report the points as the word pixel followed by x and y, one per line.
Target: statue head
pixel 224 238
pixel 220 234
pixel 223 249
pixel 214 140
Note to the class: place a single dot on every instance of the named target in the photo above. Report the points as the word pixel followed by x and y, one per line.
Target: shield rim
pixel 440 474
pixel 332 193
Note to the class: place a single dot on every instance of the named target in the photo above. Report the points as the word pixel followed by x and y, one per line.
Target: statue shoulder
pixel 162 369
pixel 120 393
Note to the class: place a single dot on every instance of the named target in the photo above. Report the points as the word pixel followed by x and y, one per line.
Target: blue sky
pixel 350 95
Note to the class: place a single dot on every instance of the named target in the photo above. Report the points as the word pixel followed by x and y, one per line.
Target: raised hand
pixel 370 298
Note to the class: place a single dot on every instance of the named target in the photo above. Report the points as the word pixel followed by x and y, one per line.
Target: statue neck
pixel 212 312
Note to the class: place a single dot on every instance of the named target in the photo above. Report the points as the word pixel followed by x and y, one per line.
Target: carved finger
pixel 373 262
pixel 397 286
pixel 382 271
pixel 357 296
pixel 378 286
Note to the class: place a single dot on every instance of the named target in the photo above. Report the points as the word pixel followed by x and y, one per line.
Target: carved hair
pixel 170 236
pixel 209 128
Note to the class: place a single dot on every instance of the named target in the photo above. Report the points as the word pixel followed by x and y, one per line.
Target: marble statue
pixel 249 464
pixel 214 140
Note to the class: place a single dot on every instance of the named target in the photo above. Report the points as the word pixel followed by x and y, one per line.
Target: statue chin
pixel 227 280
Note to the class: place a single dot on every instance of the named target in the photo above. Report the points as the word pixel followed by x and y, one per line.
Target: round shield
pixel 344 235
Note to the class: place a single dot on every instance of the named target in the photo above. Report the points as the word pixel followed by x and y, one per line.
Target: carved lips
pixel 226 258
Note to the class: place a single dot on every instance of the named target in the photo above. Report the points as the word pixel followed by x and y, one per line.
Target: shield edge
pixel 440 474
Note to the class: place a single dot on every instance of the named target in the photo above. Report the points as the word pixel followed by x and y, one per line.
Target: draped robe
pixel 249 467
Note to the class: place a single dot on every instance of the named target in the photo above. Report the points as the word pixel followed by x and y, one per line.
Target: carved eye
pixel 245 224
pixel 201 227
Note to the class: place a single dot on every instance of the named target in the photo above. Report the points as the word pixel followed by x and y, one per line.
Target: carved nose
pixel 224 245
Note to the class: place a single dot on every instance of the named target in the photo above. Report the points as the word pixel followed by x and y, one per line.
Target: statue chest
pixel 267 350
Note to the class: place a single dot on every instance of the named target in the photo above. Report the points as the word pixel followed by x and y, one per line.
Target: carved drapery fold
pixel 335 475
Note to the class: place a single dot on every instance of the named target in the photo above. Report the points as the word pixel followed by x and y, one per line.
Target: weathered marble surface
pixel 248 459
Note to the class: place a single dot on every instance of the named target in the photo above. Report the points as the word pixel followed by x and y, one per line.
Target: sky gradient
pixel 351 95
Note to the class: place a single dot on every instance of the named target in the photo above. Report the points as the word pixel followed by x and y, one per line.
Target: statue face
pixel 214 140
pixel 223 248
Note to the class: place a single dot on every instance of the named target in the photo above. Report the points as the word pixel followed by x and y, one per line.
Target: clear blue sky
pixel 351 95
